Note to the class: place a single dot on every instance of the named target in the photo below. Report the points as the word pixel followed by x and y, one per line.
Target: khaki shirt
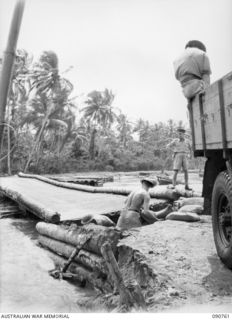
pixel 192 64
pixel 180 146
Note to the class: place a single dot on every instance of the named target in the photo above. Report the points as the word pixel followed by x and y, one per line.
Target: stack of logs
pixel 88 265
pixel 8 208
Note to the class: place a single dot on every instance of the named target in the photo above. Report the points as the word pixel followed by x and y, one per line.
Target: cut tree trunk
pixel 90 260
pixel 32 207
pixel 73 234
pixel 82 274
pixel 131 295
pixel 8 62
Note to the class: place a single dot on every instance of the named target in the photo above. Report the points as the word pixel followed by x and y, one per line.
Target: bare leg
pixel 186 177
pixel 186 180
pixel 174 177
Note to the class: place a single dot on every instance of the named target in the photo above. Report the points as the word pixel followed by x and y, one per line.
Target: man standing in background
pixel 192 69
pixel 181 149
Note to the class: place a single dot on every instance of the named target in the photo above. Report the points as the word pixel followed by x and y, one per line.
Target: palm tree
pixel 99 114
pixel 75 131
pixel 50 99
pixel 17 98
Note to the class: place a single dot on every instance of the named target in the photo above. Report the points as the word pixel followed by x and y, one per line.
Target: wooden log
pixel 84 181
pixel 160 192
pixel 8 215
pixel 33 207
pixel 90 260
pixel 93 261
pixel 66 185
pixel 9 210
pixel 72 235
pixel 113 190
pixel 83 274
pixel 125 296
pixel 8 62
pixel 131 295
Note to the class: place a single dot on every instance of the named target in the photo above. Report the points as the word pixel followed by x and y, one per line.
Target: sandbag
pixel 163 192
pixel 98 219
pixel 189 201
pixel 73 234
pixel 180 190
pixel 192 208
pixel 183 216
pixel 158 204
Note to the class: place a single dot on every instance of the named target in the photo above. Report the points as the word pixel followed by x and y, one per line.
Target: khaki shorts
pixel 180 161
pixel 192 87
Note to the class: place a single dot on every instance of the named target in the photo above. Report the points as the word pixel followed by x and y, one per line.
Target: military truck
pixel 211 125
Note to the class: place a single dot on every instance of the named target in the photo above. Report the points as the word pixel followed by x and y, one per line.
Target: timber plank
pixel 212 116
pixel 69 204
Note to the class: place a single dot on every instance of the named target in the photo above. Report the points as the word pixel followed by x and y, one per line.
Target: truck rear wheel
pixel 222 217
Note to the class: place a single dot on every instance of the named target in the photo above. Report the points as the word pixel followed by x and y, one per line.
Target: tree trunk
pixel 65 138
pixel 37 141
pixel 92 144
pixel 83 274
pixel 8 144
pixel 90 260
pixel 31 206
pixel 72 235
pixel 8 62
pixel 131 295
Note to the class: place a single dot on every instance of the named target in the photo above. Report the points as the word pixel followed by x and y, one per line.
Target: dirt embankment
pixel 176 265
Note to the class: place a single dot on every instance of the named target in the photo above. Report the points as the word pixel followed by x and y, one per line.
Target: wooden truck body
pixel 212 117
pixel 211 125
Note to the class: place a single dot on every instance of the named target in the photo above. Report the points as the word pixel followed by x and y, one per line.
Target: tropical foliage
pixel 48 133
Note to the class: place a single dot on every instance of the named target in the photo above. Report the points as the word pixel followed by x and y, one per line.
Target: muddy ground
pixel 174 262
pixel 183 271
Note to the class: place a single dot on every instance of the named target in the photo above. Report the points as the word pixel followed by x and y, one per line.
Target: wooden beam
pixel 223 120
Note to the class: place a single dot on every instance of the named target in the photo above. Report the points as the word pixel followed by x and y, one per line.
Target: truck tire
pixel 222 217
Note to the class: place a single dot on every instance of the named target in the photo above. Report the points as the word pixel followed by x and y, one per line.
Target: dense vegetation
pixel 46 132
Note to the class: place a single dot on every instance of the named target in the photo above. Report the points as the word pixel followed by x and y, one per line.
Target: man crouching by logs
pixel 131 215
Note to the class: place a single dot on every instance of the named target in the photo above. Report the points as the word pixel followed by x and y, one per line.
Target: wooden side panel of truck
pixel 210 116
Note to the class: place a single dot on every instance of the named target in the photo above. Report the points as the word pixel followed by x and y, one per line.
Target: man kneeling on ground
pixel 131 215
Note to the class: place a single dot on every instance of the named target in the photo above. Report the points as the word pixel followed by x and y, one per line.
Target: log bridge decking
pixel 56 201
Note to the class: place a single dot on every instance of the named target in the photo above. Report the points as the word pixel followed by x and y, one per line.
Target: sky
pixel 127 46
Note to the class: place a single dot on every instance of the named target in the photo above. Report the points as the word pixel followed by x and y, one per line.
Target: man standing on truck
pixel 181 149
pixel 192 69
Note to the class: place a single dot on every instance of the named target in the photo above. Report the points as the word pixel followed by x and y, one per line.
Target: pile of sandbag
pixel 88 264
pixel 187 209
pixel 158 204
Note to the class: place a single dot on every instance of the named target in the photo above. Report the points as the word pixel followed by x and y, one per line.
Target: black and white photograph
pixel 115 159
